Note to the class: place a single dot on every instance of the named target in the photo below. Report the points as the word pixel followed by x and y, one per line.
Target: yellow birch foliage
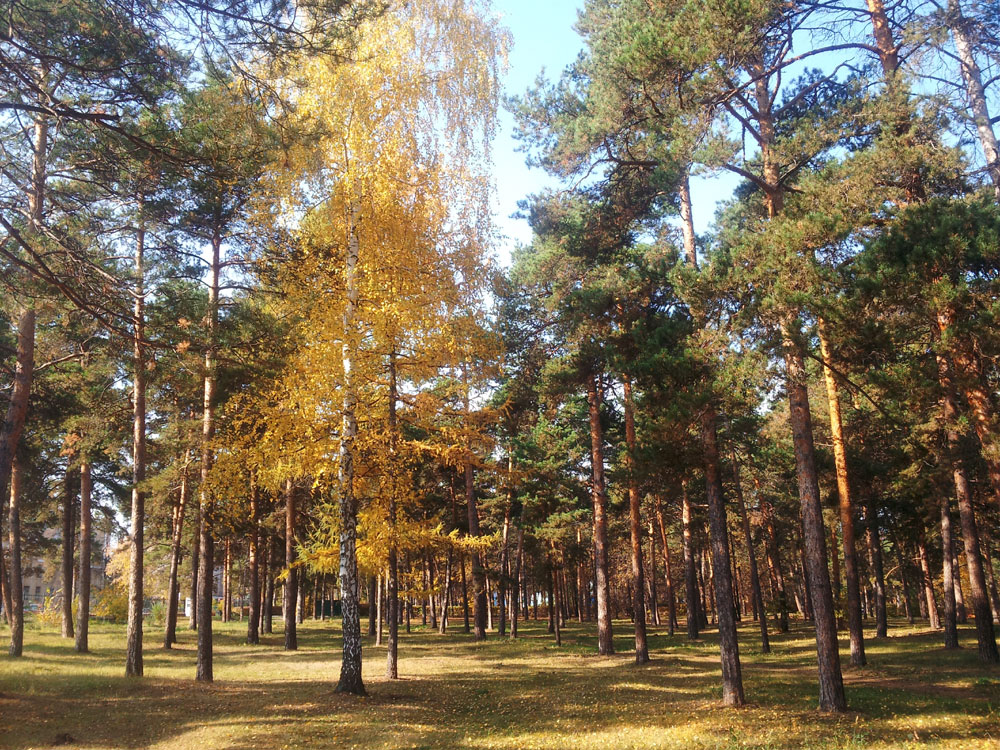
pixel 400 133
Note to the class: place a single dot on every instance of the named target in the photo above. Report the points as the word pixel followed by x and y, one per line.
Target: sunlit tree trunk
pixel 831 683
pixel 667 574
pixel 133 647
pixel 173 592
pixel 504 576
pixel 350 665
pixel 758 595
pixel 478 571
pixel 605 644
pixel 961 615
pixel 948 576
pixel 555 603
pixel 24 367
pixel 962 33
pixel 83 579
pixel 392 593
pixel 267 607
pixel 635 526
pixel 855 622
pixel 227 579
pixel 253 620
pixel 16 570
pixel 67 547
pixel 928 585
pixel 878 570
pixel 732 676
pixel 988 652
pixel 195 560
pixel 206 553
pixel 690 573
pixel 515 594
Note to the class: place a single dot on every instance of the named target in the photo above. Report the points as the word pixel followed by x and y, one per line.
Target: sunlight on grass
pixel 502 694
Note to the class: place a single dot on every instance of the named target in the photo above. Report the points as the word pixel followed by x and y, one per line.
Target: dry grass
pixel 524 694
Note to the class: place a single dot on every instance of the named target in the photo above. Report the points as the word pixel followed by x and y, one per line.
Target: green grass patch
pixel 501 694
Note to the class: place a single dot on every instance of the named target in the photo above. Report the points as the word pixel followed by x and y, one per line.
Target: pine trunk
pixel 962 33
pixel 855 623
pixel 68 538
pixel 667 574
pixel 988 652
pixel 758 595
pixel 206 570
pixel 16 569
pixel 635 527
pixel 253 620
pixel 133 647
pixel 173 592
pixel 878 569
pixel 928 585
pixel 831 683
pixel 690 573
pixel 948 576
pixel 83 578
pixel 732 677
pixel 605 644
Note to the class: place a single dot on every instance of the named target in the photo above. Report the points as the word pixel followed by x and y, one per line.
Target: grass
pixel 501 694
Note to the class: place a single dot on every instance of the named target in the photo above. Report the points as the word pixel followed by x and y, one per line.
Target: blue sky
pixel 543 37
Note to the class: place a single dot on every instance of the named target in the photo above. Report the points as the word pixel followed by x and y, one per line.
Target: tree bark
pixel 961 616
pixel 948 574
pixel 24 367
pixel 253 620
pixel 667 574
pixel 774 562
pixel 515 594
pixel 206 570
pixel 690 573
pixel 478 572
pixel 554 598
pixel 195 559
pixel 855 623
pixel 68 538
pixel 83 579
pixel 227 580
pixel 290 595
pixel 350 665
pixel 928 584
pixel 758 595
pixel 732 677
pixel 986 637
pixel 962 33
pixel 392 594
pixel 133 648
pixel 170 631
pixel 635 527
pixel 16 569
pixel 504 576
pixel 831 683
pixel 878 569
pixel 605 644
pixel 267 606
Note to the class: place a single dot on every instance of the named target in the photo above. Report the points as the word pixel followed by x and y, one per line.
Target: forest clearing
pixel 501 694
pixel 459 373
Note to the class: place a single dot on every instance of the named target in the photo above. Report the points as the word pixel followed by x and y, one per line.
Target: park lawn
pixel 501 694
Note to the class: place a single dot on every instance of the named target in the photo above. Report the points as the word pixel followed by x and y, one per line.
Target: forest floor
pixel 455 693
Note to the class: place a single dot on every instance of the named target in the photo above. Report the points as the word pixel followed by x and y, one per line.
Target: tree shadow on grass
pixel 456 693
